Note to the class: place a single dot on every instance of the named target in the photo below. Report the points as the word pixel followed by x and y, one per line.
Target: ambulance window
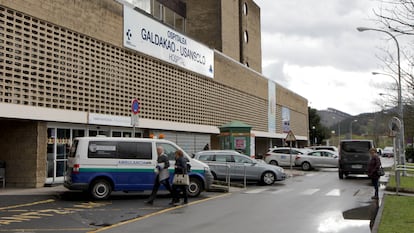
pixel 102 150
pixel 169 150
pixel 134 150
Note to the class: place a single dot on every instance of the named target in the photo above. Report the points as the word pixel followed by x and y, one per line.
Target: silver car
pixel 317 159
pixel 283 156
pixel 236 166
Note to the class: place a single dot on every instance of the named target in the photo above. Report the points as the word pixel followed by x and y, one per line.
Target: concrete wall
pixel 230 28
pixel 251 52
pixel 235 75
pixel 24 146
pixel 101 19
pixel 203 22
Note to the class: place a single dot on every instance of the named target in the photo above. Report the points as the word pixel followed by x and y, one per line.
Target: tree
pixel 397 16
pixel 316 130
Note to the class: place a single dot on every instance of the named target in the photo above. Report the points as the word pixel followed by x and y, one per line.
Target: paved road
pixel 317 202
pixel 59 210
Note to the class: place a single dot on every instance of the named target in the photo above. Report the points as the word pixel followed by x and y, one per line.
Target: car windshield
pixel 357 147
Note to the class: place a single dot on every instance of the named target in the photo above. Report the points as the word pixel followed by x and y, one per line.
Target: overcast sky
pixel 312 47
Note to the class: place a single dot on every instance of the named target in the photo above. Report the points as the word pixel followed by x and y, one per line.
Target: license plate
pixel 357 166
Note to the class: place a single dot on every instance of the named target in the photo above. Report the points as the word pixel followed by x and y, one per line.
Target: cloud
pixel 313 48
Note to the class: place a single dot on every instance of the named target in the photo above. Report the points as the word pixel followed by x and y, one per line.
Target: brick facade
pixel 24 147
pixel 69 55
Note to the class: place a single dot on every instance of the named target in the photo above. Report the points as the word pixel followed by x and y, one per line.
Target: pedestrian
pixel 206 147
pixel 162 176
pixel 180 168
pixel 374 165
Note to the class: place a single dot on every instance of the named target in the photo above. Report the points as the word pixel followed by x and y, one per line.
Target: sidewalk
pixel 60 188
pixel 33 191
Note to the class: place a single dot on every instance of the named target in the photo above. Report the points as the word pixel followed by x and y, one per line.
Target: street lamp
pixel 351 126
pixel 339 130
pixel 378 73
pixel 314 136
pixel 400 106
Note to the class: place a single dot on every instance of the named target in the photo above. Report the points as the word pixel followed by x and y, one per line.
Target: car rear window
pixel 206 157
pixel 356 147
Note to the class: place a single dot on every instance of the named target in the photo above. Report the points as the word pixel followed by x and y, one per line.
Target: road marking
pixel 28 216
pixel 27 204
pixel 157 213
pixel 334 192
pixel 46 230
pixel 310 191
pixel 310 174
pixel 282 191
pixel 254 191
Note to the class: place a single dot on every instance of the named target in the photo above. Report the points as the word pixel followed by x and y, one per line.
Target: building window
pixel 161 13
pixel 157 10
pixel 179 23
pixel 246 37
pixel 169 16
pixel 144 5
pixel 245 8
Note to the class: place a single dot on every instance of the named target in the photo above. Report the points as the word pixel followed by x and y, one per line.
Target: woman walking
pixel 180 168
pixel 374 165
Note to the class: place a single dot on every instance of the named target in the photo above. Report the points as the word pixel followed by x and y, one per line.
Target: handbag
pixel 181 179
pixel 380 171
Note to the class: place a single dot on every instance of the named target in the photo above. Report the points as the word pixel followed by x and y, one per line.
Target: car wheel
pixel 195 187
pixel 100 189
pixel 274 162
pixel 306 166
pixel 268 178
pixel 341 174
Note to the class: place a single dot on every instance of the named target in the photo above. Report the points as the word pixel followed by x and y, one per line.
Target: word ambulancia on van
pixel 100 165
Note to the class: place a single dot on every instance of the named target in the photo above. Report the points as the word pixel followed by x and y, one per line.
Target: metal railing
pixel 401 168
pixel 228 173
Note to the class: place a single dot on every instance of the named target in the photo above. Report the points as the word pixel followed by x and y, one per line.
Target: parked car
pixel 229 163
pixel 331 148
pixel 281 156
pixel 388 151
pixel 317 159
pixel 379 151
pixel 354 157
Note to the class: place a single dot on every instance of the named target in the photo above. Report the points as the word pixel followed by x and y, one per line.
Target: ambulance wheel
pixel 100 189
pixel 195 187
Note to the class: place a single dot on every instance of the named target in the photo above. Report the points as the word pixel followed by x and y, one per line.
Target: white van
pixel 100 165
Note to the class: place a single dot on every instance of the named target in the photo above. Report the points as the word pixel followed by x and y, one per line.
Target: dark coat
pixel 180 165
pixel 163 158
pixel 374 165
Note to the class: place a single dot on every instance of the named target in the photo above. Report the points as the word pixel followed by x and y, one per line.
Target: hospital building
pixel 189 71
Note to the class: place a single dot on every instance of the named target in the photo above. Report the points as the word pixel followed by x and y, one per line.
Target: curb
pixel 378 216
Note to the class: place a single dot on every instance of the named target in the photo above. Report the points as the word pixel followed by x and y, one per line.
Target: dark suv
pixel 354 157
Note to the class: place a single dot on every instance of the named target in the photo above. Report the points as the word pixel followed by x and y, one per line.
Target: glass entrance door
pixel 58 146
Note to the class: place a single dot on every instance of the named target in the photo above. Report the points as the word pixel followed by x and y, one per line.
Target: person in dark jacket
pixel 374 165
pixel 180 168
pixel 162 176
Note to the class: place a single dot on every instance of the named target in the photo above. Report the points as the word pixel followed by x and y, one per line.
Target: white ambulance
pixel 100 165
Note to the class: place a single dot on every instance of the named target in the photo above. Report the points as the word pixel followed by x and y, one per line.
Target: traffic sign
pixel 290 137
pixel 135 106
pixel 394 124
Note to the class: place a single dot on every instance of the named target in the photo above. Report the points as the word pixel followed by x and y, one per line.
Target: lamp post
pixel 379 73
pixel 351 127
pixel 339 130
pixel 400 106
pixel 314 136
